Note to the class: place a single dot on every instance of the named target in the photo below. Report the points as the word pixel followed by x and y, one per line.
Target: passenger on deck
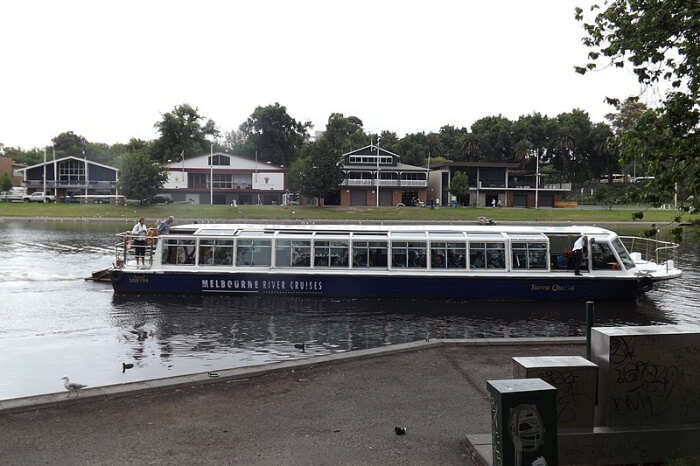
pixel 139 234
pixel 164 226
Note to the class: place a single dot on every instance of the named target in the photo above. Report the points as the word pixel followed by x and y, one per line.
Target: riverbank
pixel 222 213
pixel 339 409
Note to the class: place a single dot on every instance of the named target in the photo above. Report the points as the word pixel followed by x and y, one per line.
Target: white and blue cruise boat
pixel 441 261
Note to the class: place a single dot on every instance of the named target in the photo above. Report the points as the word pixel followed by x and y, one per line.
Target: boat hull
pixel 343 285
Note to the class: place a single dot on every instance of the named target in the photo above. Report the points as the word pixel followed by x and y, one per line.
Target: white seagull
pixel 72 387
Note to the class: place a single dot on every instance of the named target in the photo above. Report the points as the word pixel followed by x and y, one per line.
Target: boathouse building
pixel 505 184
pixel 225 178
pixel 371 169
pixel 70 176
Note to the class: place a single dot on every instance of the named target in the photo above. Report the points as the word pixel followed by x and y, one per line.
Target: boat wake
pixel 35 276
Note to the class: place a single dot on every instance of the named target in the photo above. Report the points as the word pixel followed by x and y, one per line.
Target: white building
pixel 224 179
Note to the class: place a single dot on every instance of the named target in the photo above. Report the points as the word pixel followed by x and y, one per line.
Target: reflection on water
pixel 55 324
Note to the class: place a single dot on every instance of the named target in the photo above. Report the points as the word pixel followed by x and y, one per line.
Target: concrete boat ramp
pixel 338 409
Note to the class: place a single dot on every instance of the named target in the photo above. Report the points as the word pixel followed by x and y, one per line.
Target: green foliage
pixel 182 130
pixel 459 186
pixel 659 39
pixel 344 134
pixel 273 133
pixel 317 172
pixel 637 215
pixel 69 144
pixel 5 182
pixel 140 177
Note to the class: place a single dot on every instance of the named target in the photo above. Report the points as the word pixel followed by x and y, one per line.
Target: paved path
pixel 342 412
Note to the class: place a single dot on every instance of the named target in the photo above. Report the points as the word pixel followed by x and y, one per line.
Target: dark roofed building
pixel 500 183
pixel 71 176
pixel 397 182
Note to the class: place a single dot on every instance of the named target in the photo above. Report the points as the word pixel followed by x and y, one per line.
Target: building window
pixel 219 159
pixel 529 256
pixel 448 255
pixel 292 253
pixel 222 180
pixel 215 252
pixel 487 255
pixel 370 160
pixel 369 254
pixel 253 253
pixel 331 254
pixel 71 172
pixel 408 254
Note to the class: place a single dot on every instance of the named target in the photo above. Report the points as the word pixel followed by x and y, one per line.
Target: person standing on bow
pixel 139 233
pixel 577 251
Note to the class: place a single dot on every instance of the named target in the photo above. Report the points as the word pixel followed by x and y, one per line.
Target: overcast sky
pixel 108 70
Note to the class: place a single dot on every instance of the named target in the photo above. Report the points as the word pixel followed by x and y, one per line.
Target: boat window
pixel 369 254
pixel 252 233
pixel 331 253
pixel 408 254
pixel 529 256
pixel 179 252
pixel 292 253
pixel 253 252
pixel 603 257
pixel 407 235
pixel 487 255
pixel 448 255
pixel 215 252
pixel 560 252
pixel 212 232
pixel 622 252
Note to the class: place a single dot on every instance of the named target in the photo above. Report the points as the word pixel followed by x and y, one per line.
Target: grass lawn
pixel 223 212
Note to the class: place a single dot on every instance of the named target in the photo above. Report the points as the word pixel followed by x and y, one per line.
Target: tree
pixel 182 130
pixel 344 134
pixel 5 182
pixel 69 144
pixel 273 133
pixel 659 38
pixel 495 138
pixel 317 172
pixel 459 186
pixel 139 176
pixel 671 140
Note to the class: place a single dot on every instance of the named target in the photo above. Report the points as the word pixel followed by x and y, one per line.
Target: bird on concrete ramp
pixel 72 387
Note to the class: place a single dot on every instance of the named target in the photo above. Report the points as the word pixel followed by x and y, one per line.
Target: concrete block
pixel 523 422
pixel 647 375
pixel 575 379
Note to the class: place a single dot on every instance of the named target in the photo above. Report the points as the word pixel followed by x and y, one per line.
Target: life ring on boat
pixel 646 284
pixel 152 233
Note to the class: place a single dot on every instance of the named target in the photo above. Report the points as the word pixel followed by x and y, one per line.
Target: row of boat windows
pixel 368 254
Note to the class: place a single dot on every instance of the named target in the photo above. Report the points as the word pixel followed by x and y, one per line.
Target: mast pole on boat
pixel 377 176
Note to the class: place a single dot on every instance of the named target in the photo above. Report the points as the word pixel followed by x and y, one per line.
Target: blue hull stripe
pixel 492 288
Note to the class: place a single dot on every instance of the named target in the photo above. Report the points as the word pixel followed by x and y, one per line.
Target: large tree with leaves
pixel 139 176
pixel 273 133
pixel 183 130
pixel 317 171
pixel 660 39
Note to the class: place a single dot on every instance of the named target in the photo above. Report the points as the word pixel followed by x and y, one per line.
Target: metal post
pixel 590 317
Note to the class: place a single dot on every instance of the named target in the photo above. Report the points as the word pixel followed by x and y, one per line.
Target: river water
pixel 53 323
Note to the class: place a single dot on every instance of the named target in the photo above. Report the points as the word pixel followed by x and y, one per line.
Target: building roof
pixel 370 149
pixel 237 162
pixel 477 164
pixel 50 162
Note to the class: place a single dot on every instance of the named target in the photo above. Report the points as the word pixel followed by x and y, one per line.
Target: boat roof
pixel 355 228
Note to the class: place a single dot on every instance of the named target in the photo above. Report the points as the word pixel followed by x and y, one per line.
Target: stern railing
pixel 651 249
pixel 125 249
